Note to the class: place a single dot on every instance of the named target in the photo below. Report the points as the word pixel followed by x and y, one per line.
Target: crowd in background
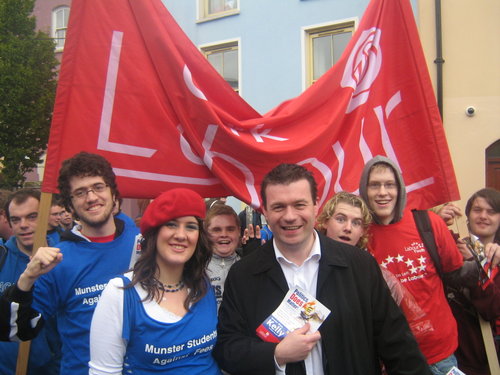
pixel 183 287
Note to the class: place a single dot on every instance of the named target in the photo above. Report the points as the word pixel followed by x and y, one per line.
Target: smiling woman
pixel 165 302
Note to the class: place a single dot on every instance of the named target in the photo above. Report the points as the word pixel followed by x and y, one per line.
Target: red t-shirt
pixel 399 248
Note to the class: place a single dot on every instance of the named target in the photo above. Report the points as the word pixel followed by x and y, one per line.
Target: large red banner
pixel 134 89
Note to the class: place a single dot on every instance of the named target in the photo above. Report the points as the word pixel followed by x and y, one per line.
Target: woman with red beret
pixel 162 316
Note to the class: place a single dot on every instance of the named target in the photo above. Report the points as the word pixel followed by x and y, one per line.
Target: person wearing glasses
pixel 66 282
pixel 396 245
pixel 364 324
pixel 54 228
pixel 161 317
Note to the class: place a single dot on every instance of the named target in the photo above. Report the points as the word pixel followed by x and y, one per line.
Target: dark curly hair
pixel 194 274
pixel 85 164
pixel 285 174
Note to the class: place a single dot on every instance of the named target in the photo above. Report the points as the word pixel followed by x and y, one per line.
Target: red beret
pixel 170 205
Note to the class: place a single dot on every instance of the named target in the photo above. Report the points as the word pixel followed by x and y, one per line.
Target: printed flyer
pixel 297 308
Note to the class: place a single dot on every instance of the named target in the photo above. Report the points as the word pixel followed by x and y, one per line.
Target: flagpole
pixel 40 240
pixel 439 61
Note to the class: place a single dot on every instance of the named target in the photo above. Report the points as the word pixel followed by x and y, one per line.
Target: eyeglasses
pixel 387 185
pixel 83 192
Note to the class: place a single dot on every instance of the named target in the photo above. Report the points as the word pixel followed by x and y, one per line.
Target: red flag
pixel 136 90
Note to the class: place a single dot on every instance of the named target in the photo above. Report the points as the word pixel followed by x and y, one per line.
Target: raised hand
pixel 44 260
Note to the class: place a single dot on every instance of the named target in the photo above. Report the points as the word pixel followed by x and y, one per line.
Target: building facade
pixel 52 17
pixel 276 42
pixel 271 51
pixel 471 87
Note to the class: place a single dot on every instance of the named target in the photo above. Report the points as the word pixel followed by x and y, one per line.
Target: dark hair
pixel 56 201
pixel 194 274
pixel 492 197
pixel 85 164
pixel 285 174
pixel 220 209
pixel 4 196
pixel 19 197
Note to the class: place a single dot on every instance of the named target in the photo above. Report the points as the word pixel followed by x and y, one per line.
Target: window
pixel 60 18
pixel 217 8
pixel 325 45
pixel 224 58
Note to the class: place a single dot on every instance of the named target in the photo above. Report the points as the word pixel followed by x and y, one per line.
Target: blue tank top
pixel 183 347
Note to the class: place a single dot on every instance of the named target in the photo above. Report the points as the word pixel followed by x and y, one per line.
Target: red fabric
pixel 399 248
pixel 170 205
pixel 169 120
pixel 103 239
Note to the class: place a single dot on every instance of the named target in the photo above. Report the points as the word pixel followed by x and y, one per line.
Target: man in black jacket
pixel 364 326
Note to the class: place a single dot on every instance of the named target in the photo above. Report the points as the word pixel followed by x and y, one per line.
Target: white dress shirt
pixel 304 276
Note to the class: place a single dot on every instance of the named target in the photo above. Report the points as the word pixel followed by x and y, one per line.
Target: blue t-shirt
pixel 183 347
pixel 71 291
pixel 45 348
pixel 53 237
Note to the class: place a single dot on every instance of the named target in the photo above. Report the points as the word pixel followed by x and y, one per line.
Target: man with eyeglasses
pixel 396 244
pixel 21 209
pixel 54 228
pixel 87 257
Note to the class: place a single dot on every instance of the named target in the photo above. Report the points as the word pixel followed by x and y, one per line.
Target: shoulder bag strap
pixel 424 227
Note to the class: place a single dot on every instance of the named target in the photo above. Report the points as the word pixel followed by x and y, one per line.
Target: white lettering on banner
pixel 186 148
pixel 325 171
pixel 386 142
pixel 103 142
pixel 420 184
pixel 362 67
pixel 150 176
pixel 339 153
pixel 361 70
pixel 247 173
pixel 188 80
pixel 363 146
pixel 264 134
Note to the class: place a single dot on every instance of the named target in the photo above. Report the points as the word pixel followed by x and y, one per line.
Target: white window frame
pixel 307 32
pixel 204 14
pixel 55 29
pixel 221 45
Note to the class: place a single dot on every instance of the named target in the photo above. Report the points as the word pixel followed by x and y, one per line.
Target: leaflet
pixel 297 308
pixel 455 371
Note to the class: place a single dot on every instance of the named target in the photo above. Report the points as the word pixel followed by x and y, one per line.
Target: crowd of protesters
pixel 185 287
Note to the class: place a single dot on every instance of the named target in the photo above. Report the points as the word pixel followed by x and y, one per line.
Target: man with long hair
pixel 101 247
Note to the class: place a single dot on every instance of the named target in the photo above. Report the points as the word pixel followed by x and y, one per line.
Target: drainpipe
pixel 439 58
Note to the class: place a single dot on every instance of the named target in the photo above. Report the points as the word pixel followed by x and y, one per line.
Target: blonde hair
pixel 352 200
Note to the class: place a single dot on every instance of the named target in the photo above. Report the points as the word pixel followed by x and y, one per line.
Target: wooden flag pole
pixel 39 241
pixel 489 346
